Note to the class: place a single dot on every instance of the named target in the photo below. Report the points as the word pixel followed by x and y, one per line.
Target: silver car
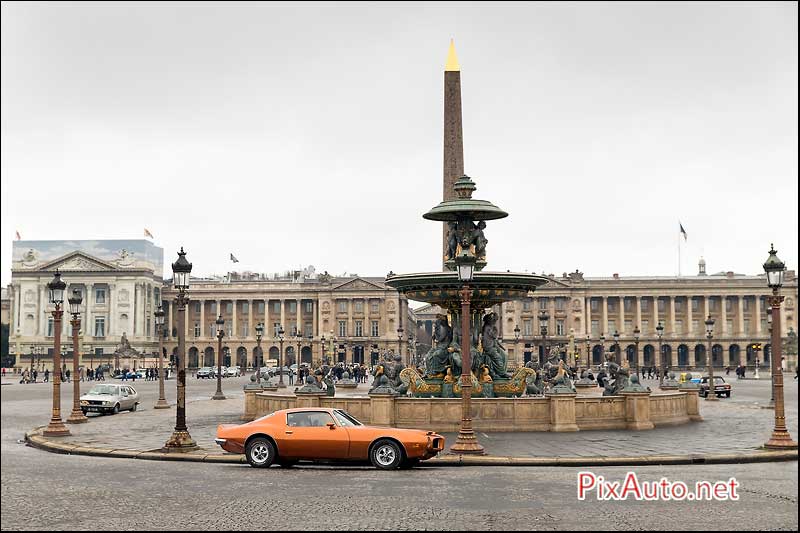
pixel 111 398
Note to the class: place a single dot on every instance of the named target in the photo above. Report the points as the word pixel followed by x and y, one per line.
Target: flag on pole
pixel 18 237
pixel 234 259
pixel 147 233
pixel 682 230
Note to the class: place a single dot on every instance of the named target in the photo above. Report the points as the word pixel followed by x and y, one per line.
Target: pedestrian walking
pixel 68 374
pixel 46 375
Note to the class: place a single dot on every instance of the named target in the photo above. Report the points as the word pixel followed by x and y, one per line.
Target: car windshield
pixel 103 389
pixel 346 419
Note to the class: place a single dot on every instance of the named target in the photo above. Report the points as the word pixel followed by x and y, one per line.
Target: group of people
pixel 358 373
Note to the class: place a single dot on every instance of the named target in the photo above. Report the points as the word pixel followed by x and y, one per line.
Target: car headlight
pixel 106 403
pixel 84 402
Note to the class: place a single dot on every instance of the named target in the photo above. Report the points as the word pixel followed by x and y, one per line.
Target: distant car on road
pixel 232 372
pixel 720 387
pixel 291 435
pixel 205 372
pixel 109 398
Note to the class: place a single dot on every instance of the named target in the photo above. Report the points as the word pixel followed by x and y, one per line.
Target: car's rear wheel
pixel 134 406
pixel 386 455
pixel 260 452
pixel 116 409
pixel 728 394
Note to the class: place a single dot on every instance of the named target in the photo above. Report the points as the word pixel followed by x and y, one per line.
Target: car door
pixel 308 435
pixel 123 398
pixel 134 395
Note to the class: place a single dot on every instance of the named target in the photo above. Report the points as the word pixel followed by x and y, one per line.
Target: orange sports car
pixel 292 435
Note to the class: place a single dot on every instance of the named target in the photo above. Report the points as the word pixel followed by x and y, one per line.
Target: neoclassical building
pixel 120 282
pixel 357 317
pixel 584 309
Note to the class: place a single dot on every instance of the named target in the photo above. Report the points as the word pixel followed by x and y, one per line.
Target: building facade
pixel 341 319
pixel 120 282
pixel 588 311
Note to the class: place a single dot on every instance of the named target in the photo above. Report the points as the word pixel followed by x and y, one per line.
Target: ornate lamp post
pixel 775 268
pixel 33 353
pixel 711 393
pixel 617 354
pixel 466 442
pixel 257 358
pixel 516 341
pixel 588 352
pixel 180 439
pixel 161 332
pixel 281 384
pixel 220 334
pixel 324 353
pixel 75 301
pixel 636 334
pixel 299 339
pixel 772 385
pixel 603 348
pixel 56 427
pixel 544 316
pixel 400 341
pixel 660 334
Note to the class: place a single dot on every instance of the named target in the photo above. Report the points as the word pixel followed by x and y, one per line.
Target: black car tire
pixel 85 411
pixel 386 455
pixel 116 409
pixel 134 406
pixel 260 452
pixel 728 394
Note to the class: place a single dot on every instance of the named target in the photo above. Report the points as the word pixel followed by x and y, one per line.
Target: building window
pixel 212 329
pixel 245 307
pixel 610 305
pixel 526 304
pixel 196 329
pixel 542 303
pixel 628 326
pixel 595 328
pixel 245 328
pixel 229 328
pixel 560 304
pixel 99 326
pixel 678 305
pixel 628 304
pixel 712 304
pixel 292 306
pixel 276 307
pixel 308 330
pixel 745 303
pixel 728 305
pixel 276 326
pixel 147 329
pixel 100 296
pixel 197 307
pixel 527 327
pixel 645 326
pixel 309 307
pixel 376 307
pixel 661 305
pixel 612 327
pixel 342 306
pixel 359 307
pixel 260 308
pixel 695 304
pixel 375 328
pixel 343 328
pixel 729 326
pixel 229 308
pixel 594 304
pixel 49 326
pixel 746 325
pixel 679 327
pixel 359 329
pixel 213 308
pixel 560 327
pixel 645 304
pixel 695 325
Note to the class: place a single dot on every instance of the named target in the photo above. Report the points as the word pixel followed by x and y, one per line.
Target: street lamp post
pixel 56 427
pixel 220 334
pixel 161 403
pixel 281 384
pixel 466 443
pixel 516 341
pixel 588 352
pixel 660 334
pixel 775 268
pixel 636 334
pixel 603 349
pixel 544 316
pixel 711 392
pixel 772 384
pixel 180 440
pixel 299 339
pixel 77 416
pixel 617 354
pixel 324 352
pixel 400 341
pixel 257 357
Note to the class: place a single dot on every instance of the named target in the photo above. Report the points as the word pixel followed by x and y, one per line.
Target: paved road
pixel 48 491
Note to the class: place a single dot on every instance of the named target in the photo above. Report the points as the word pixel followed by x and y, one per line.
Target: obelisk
pixel 453 137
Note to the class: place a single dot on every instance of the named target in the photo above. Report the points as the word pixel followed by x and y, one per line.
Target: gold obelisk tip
pixel 452 60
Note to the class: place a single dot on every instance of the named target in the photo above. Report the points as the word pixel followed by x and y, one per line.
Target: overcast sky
pixel 311 134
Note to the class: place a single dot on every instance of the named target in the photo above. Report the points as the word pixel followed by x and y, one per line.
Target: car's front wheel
pixel 386 455
pixel 134 406
pixel 260 452
pixel 116 409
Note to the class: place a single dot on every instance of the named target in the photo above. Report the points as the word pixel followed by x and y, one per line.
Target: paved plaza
pixel 42 490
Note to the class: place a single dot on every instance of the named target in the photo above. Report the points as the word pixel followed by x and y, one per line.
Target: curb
pixel 34 439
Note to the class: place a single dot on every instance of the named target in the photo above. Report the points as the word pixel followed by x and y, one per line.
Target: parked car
pixel 109 398
pixel 205 372
pixel 310 434
pixel 720 387
pixel 130 374
pixel 232 372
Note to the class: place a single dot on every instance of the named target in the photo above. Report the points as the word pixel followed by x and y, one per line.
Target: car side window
pixel 309 419
pixel 124 391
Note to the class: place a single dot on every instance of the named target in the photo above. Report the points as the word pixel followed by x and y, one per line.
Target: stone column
pixel 350 330
pixel 283 314
pixel 111 323
pixel 706 306
pixel 235 318
pixel 87 316
pixel 551 309
pixel 672 329
pixel 604 322
pixel 299 320
pixel 453 167
pixel 136 305
pixel 621 328
pixel 723 303
pixel 639 312
pixel 251 331
pixel 655 313
pixel 689 318
pixel 170 323
pixel 758 315
pixel 41 315
pixel 740 315
pixel 203 332
pixel 314 322
pixel 588 320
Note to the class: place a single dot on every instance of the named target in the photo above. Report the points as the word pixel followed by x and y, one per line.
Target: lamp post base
pixel 218 396
pixel 467 444
pixel 281 385
pixel 781 440
pixel 56 428
pixel 161 404
pixel 180 441
pixel 77 417
pixel 712 398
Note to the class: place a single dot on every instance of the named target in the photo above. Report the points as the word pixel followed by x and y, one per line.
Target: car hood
pixel 106 397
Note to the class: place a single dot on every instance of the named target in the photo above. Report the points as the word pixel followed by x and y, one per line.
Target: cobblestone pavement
pixel 40 490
